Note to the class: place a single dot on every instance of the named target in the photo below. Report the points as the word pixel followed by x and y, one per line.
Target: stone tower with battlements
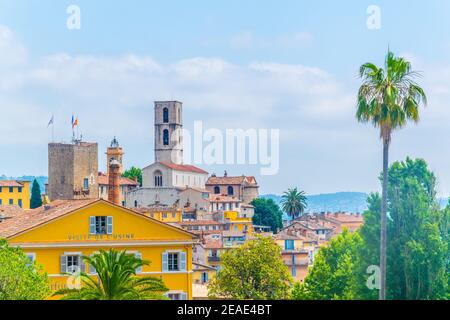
pixel 72 171
pixel 168 132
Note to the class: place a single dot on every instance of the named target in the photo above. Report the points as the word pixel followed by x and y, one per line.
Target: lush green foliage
pixel 417 245
pixel 116 279
pixel 331 276
pixel 418 236
pixel 294 202
pixel 267 213
pixel 36 196
pixel 19 279
pixel 133 173
pixel 389 97
pixel 253 271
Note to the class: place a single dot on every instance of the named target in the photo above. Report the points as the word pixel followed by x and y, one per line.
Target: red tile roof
pixel 222 198
pixel 10 183
pixel 103 180
pixel 183 167
pixel 250 180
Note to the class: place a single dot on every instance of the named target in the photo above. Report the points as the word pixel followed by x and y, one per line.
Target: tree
pixel 116 280
pixel 133 173
pixel 36 196
pixel 388 98
pixel 418 250
pixel 331 276
pixel 253 271
pixel 20 279
pixel 267 213
pixel 294 203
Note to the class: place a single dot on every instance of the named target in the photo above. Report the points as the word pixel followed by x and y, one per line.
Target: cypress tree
pixel 36 199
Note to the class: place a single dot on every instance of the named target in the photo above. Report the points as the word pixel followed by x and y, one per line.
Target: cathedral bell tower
pixel 168 132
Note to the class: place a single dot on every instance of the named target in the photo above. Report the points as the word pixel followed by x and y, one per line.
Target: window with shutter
pixel 92 225
pixel 63 264
pixel 110 225
pixel 138 255
pixel 165 262
pixel 183 296
pixel 182 261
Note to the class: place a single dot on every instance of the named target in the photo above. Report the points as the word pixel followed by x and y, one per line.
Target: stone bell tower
pixel 114 152
pixel 168 132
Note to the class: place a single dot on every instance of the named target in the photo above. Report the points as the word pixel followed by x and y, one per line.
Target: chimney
pixel 113 182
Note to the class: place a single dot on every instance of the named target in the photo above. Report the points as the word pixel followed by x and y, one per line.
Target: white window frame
pixel 31 255
pixel 182 266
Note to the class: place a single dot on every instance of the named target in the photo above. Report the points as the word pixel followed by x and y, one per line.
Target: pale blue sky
pixel 290 65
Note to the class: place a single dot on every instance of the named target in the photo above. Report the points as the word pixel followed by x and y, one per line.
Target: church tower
pixel 168 132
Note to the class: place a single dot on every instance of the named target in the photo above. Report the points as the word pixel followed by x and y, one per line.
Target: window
pixel 289 244
pixel 72 263
pixel 20 203
pixel 166 137
pixel 174 261
pixel 11 189
pixel 11 202
pixel 204 277
pixel 217 190
pixel 174 215
pixel 31 257
pixel 158 178
pixel 166 115
pixel 230 191
pixel 294 271
pixel 100 225
pixel 164 215
pixel 1 202
pixel 135 203
pixel 63 179
pixel 19 189
pixel 1 189
pixel 86 184
pixel 177 296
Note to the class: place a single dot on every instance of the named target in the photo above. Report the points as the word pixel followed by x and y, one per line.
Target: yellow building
pixel 237 223
pixel 15 193
pixel 163 214
pixel 58 234
pixel 202 276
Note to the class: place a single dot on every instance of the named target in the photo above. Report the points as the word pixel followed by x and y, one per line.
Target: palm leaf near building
pixel 116 279
pixel 294 203
pixel 388 98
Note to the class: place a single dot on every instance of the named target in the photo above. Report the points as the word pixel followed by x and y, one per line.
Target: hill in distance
pixel 351 202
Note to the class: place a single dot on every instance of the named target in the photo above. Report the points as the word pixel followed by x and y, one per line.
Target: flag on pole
pixel 74 122
pixel 52 120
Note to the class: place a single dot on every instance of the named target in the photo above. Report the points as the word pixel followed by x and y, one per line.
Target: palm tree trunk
pixel 383 221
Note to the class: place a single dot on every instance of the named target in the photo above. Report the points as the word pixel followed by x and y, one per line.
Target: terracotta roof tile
pixel 10 183
pixel 103 181
pixel 33 218
pixel 250 180
pixel 183 167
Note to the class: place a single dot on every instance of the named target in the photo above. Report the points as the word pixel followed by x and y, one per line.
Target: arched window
pixel 230 191
pixel 166 115
pixel 217 190
pixel 166 137
pixel 158 179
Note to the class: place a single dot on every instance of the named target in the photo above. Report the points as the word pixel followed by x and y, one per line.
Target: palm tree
pixel 116 280
pixel 388 98
pixel 294 202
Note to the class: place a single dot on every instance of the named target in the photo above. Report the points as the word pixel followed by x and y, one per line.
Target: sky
pixel 287 65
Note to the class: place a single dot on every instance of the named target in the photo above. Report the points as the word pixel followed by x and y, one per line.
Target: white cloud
pixel 12 53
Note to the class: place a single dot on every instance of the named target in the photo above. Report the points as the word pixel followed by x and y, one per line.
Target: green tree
pixel 133 173
pixel 253 271
pixel 36 196
pixel 116 280
pixel 331 276
pixel 388 98
pixel 267 213
pixel 20 279
pixel 418 250
pixel 294 203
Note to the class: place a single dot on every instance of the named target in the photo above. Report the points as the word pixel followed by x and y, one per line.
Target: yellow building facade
pixel 57 235
pixel 238 223
pixel 15 193
pixel 166 215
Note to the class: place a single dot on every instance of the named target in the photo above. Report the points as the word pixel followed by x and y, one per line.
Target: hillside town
pixel 181 217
